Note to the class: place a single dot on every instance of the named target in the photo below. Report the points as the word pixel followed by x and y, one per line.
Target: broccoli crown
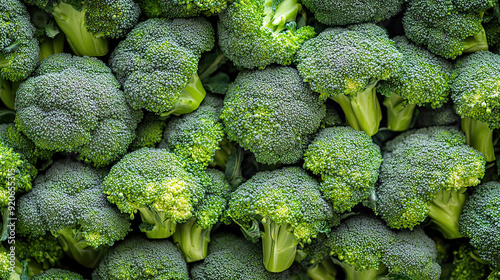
pixel 158 59
pixel 213 205
pixel 149 132
pixel 44 250
pixel 332 117
pixel 231 257
pixel 57 274
pixel 475 90
pixel 341 12
pixel 272 113
pixel 466 266
pixel 443 116
pixel 348 162
pixel 422 78
pixel 5 265
pixel 444 25
pixel 257 33
pixel 15 139
pixel 418 165
pixel 480 221
pixel 183 8
pixel 70 195
pixel 285 196
pixel 19 49
pixel 74 104
pixel 348 60
pixel 142 259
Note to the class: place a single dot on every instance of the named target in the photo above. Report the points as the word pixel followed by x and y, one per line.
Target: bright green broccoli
pixel 257 33
pixel 138 258
pixel 231 257
pixel 475 94
pixel 57 274
pixel 447 27
pixel 443 116
pixel 467 265
pixel 182 8
pixel 287 204
pixel 345 64
pixel 74 104
pixel 155 183
pixel 157 64
pixel 47 31
pixel 41 251
pixel 149 132
pixel 423 79
pixel 89 24
pixel 426 172
pixel 348 162
pixel 316 260
pixel 68 201
pixel 11 268
pixel 15 139
pixel 272 113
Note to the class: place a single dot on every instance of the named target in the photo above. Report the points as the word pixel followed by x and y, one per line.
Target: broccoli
pixel 57 274
pixel 348 162
pixel 480 221
pixel 232 257
pixel 11 268
pixel 447 27
pixel 345 64
pixel 74 104
pixel 157 64
pixel 423 79
pixel 257 33
pixel 89 24
pixel 466 265
pixel 443 116
pixel 426 172
pixel 149 132
pixel 316 260
pixel 68 201
pixel 193 236
pixel 341 12
pixel 272 113
pixel 156 183
pixel 42 251
pixel 288 204
pixel 182 9
pixel 138 258
pixel 332 117
pixel 366 248
pixel 48 33
pixel 474 92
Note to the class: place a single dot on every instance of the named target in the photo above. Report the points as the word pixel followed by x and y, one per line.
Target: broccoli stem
pixel 279 246
pixel 75 246
pixel 445 211
pixel 189 99
pixel 324 270
pixel 4 63
pixel 399 114
pixel 477 42
pixel 480 137
pixel 8 91
pixel 50 46
pixel 81 41
pixel 158 225
pixel 192 240
pixel 363 111
pixel 277 16
pixel 353 274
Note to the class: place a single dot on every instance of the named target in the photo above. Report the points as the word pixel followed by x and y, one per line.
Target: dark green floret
pixel 57 274
pixel 157 64
pixel 272 113
pixel 149 132
pixel 345 64
pixel 285 208
pixel 347 161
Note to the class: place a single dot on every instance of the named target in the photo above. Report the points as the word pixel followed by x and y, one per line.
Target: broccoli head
pixel 182 8
pixel 157 64
pixel 149 132
pixel 467 265
pixel 288 205
pixel 57 274
pixel 74 104
pixel 272 113
pixel 21 144
pixel 348 162
pixel 345 64
pixel 41 251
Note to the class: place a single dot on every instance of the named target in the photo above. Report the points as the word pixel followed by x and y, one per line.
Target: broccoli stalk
pixel 399 113
pixel 279 13
pixel 192 239
pixel 279 245
pixel 190 98
pixel 352 274
pixel 75 246
pixel 445 211
pixel 229 158
pixel 479 136
pixel 322 271
pixel 50 46
pixel 155 224
pixel 477 42
pixel 8 91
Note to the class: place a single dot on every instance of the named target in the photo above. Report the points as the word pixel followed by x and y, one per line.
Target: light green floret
pixel 345 64
pixel 347 161
pixel 42 251
pixel 285 208
pixel 149 132
pixel 423 79
pixel 182 8
pixel 467 265
pixel 155 183
pixel 58 274
pixel 157 64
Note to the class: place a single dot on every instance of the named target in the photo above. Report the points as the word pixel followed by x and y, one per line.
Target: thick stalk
pixel 75 246
pixel 192 240
pixel 50 46
pixel 279 246
pixel 155 224
pixel 399 114
pixel 445 211
pixel 8 91
pixel 189 99
pixel 480 137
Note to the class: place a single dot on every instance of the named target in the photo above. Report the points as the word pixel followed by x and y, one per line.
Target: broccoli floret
pixel 466 265
pixel 88 24
pixel 42 251
pixel 155 183
pixel 423 79
pixel 475 93
pixel 149 132
pixel 68 201
pixel 315 259
pixel 348 162
pixel 447 27
pixel 366 248
pixel 480 221
pixel 139 258
pixel 13 269
pixel 345 64
pixel 341 12
pixel 74 104
pixel 272 113
pixel 332 117
pixel 157 64
pixel 48 33
pixel 289 207
pixel 16 140
pixel 182 8
pixel 57 274
pixel 257 33
pixel 231 257
pixel 426 172
pixel 443 116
